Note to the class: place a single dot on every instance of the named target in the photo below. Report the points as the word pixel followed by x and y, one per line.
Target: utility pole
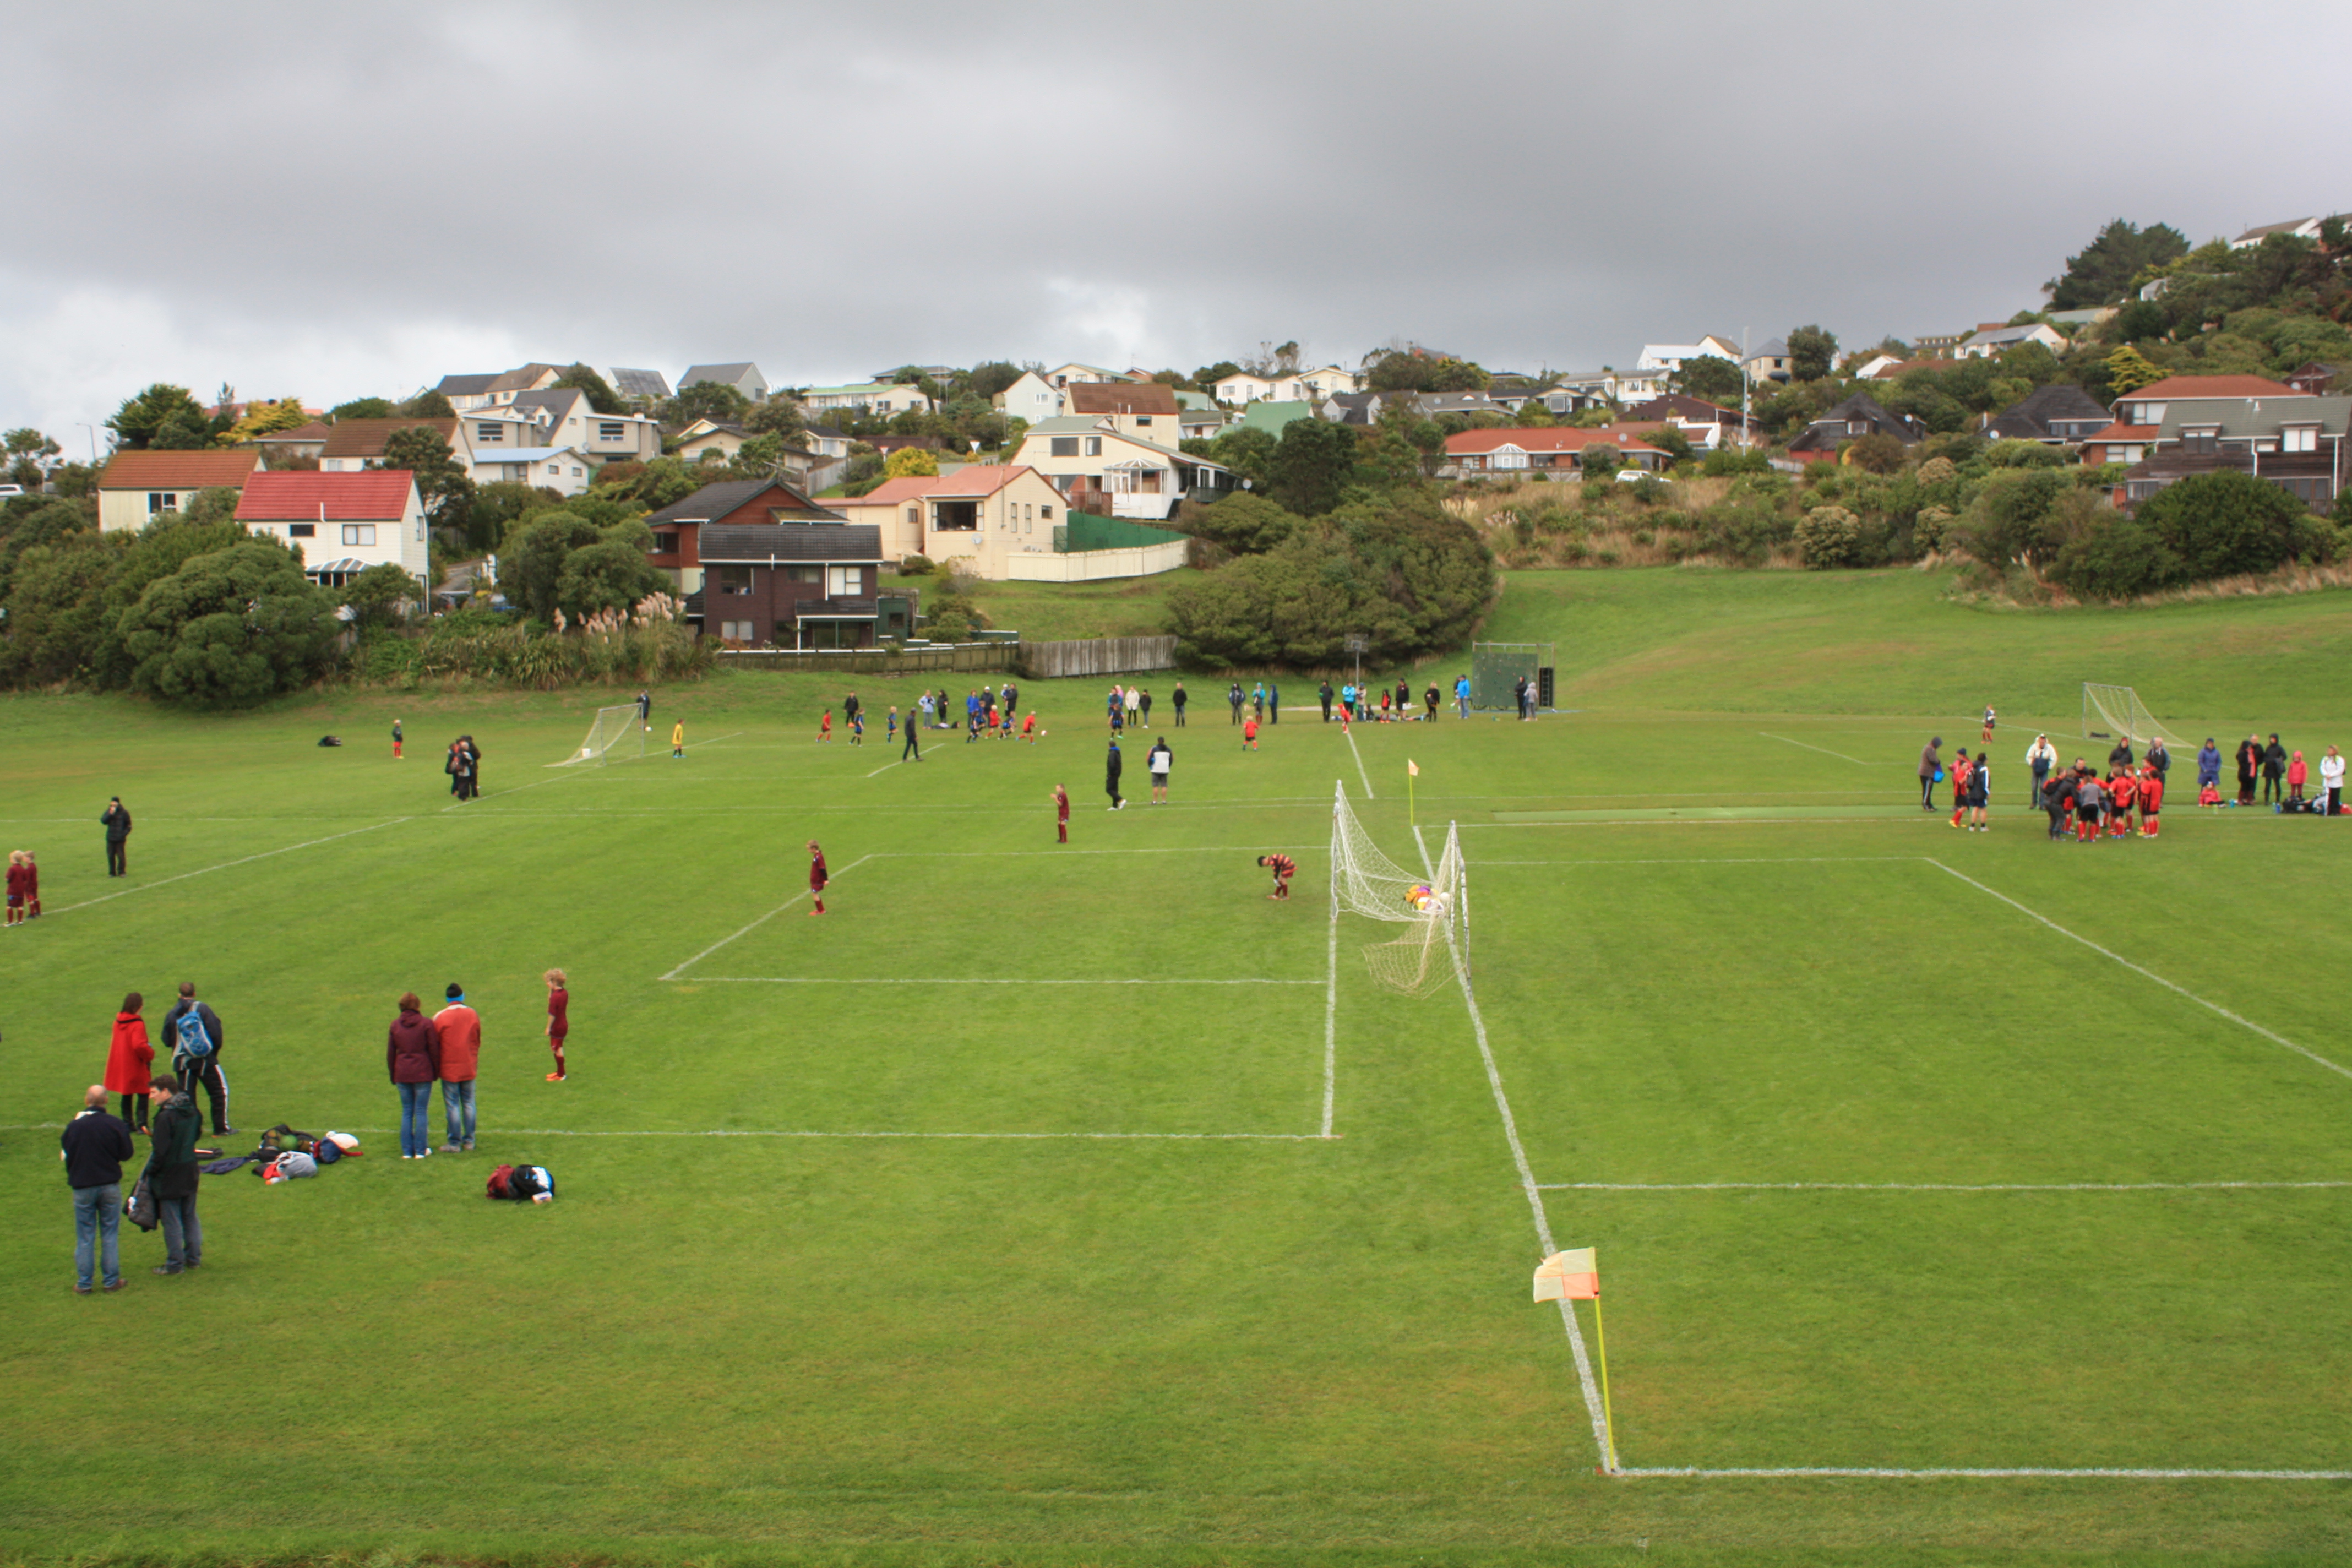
pixel 1743 389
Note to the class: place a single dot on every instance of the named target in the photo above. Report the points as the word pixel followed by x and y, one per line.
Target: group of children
pixel 2104 806
pixel 24 888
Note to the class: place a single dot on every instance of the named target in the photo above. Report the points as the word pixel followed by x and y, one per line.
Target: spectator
pixel 2209 766
pixel 2331 781
pixel 2249 763
pixel 194 1032
pixel 1177 697
pixel 459 1030
pixel 1462 695
pixel 117 822
pixel 1159 760
pixel 2273 769
pixel 1112 764
pixel 2120 759
pixel 2297 776
pixel 1134 700
pixel 1257 700
pixel 2041 756
pixel 1147 708
pixel 1235 698
pixel 94 1145
pixel 1323 695
pixel 1273 703
pixel 1431 698
pixel 172 1174
pixel 130 1061
pixel 2158 758
pixel 1930 764
pixel 412 1055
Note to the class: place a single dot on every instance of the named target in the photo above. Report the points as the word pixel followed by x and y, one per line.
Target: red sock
pixel 560 1069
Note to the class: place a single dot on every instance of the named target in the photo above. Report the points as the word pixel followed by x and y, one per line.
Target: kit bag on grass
pixel 522 1182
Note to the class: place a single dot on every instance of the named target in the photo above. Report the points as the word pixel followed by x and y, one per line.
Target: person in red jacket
pixel 1061 814
pixel 131 1062
pixel 412 1055
pixel 818 878
pixel 33 884
pixel 460 1031
pixel 2122 794
pixel 2151 800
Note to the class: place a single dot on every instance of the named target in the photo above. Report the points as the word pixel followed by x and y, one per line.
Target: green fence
pixel 1496 668
pixel 1085 530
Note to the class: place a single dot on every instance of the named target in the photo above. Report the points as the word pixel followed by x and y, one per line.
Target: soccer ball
pixel 1421 896
pixel 584 753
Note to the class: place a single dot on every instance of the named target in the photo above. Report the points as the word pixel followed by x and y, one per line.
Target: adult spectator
pixel 1462 695
pixel 1405 699
pixel 1177 697
pixel 1012 702
pixel 2119 761
pixel 2041 756
pixel 1519 696
pixel 1323 695
pixel 2331 781
pixel 2273 771
pixel 117 822
pixel 1112 765
pixel 849 708
pixel 193 1031
pixel 1235 698
pixel 646 710
pixel 2209 766
pixel 130 1061
pixel 473 767
pixel 2250 762
pixel 1147 708
pixel 1134 700
pixel 412 1055
pixel 913 747
pixel 1930 764
pixel 94 1145
pixel 172 1173
pixel 459 1030
pixel 1273 703
pixel 2158 757
pixel 1257 700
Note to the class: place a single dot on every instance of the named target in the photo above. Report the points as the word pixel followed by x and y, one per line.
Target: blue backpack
pixel 194 1040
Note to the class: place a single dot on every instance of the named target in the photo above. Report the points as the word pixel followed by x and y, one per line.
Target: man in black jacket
pixel 95 1145
pixel 117 822
pixel 2273 771
pixel 172 1174
pixel 1324 692
pixel 198 1067
pixel 1112 766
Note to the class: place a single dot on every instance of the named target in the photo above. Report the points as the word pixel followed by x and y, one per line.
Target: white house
pixel 342 523
pixel 1064 374
pixel 1246 386
pixel 1099 469
pixel 1770 361
pixel 564 419
pixel 705 436
pixel 1670 356
pixel 136 487
pixel 564 469
pixel 880 398
pixel 1032 398
pixel 465 393
pixel 1985 343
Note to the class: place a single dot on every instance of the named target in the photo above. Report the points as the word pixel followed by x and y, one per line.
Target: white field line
pixel 225 864
pixel 1719 860
pixel 2017 1473
pixel 1010 1137
pixel 1934 1186
pixel 1527 1183
pixel 1359 767
pixel 1824 751
pixel 1062 853
pixel 763 920
pixel 919 756
pixel 2213 1008
pixel 913 980
pixel 1331 1011
pixel 1842 822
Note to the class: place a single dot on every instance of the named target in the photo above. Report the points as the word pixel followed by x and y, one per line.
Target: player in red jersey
pixel 1061 815
pixel 1961 769
pixel 2151 800
pixel 1283 868
pixel 559 1023
pixel 2122 794
pixel 818 878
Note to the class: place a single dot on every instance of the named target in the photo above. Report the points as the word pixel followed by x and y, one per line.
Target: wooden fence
pixel 1095 655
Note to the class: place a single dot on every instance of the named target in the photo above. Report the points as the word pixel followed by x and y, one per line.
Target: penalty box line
pixel 227 864
pixel 2020 1472
pixel 925 979
pixel 763 920
pixel 1936 1187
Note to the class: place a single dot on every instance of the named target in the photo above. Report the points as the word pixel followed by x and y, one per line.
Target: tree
pixel 362 408
pixel 2128 369
pixel 161 409
pixel 712 400
pixel 1208 376
pixel 991 377
pixel 2118 558
pixel 263 418
pixel 427 404
pixel 600 395
pixel 1533 415
pixel 2103 272
pixel 611 574
pixel 531 567
pixel 1244 524
pixel 442 482
pixel 1407 370
pixel 779 415
pixel 911 462
pixel 2227 523
pixel 1710 376
pixel 578 562
pixel 375 594
pixel 495 508
pixel 1312 461
pixel 1877 453
pixel 30 456
pixel 1811 353
pixel 230 627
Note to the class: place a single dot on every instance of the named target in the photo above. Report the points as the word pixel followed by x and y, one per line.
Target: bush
pixel 1727 464
pixel 230 627
pixel 2223 524
pixel 2118 558
pixel 917 566
pixel 911 462
pixel 1932 528
pixel 1744 531
pixel 1877 453
pixel 1242 523
pixel 1829 536
pixel 2014 517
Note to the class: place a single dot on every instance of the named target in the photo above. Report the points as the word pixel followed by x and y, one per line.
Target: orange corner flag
pixel 1569 1277
pixel 1413 767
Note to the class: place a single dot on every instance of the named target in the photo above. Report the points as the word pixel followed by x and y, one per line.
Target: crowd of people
pixel 2101 803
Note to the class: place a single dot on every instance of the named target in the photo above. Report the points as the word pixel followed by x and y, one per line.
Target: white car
pixel 10 492
pixel 1634 475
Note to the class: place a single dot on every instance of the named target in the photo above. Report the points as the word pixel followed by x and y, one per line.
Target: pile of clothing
pixel 286 1155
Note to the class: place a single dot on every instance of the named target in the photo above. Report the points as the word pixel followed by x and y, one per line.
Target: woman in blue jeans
pixel 413 1055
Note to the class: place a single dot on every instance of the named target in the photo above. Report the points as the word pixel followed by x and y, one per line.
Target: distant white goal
pixel 611 726
pixel 1432 906
pixel 2113 712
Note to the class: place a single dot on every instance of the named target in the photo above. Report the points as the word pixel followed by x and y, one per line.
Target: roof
pixel 2242 417
pixel 523 454
pixel 1770 348
pixel 2289 227
pixel 978 479
pixel 719 499
pixel 1271 414
pixel 2057 402
pixel 1120 397
pixel 648 385
pixel 516 380
pixel 556 399
pixel 365 438
pixel 178 470
pixel 372 496
pixel 729 373
pixel 2122 432
pixel 1902 367
pixel 890 492
pixel 2009 334
pixel 857 387
pixel 2173 387
pixel 760 544
pixel 1558 439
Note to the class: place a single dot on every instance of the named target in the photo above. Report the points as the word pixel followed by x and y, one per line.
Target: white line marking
pixel 1020 1137
pixel 913 980
pixel 1824 751
pixel 1062 853
pixel 1359 767
pixel 225 865
pixel 763 920
pixel 2020 1472
pixel 918 756
pixel 1719 860
pixel 2149 974
pixel 1528 1184
pixel 1933 1186
pixel 1331 1011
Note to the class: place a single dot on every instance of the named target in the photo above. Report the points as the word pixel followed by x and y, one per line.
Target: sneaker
pixel 448 1148
pixel 555 1078
pixel 117 1285
pixel 469 1145
pixel 423 1154
pixel 193 1263
pixel 163 1268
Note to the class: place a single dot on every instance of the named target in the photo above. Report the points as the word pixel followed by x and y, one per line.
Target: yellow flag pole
pixel 1607 1416
pixel 1411 813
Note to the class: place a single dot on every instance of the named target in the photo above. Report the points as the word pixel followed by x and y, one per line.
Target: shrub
pixel 1242 523
pixel 2222 525
pixel 1932 528
pixel 2117 558
pixel 1744 531
pixel 917 566
pixel 911 462
pixel 1727 464
pixel 230 627
pixel 1829 536
pixel 1938 471
pixel 1877 453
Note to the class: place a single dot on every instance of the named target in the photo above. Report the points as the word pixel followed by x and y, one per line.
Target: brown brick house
pixel 677 527
pixel 797 585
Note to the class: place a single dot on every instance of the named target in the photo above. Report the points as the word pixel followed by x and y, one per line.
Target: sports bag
pixel 140 1210
pixel 522 1182
pixel 193 1041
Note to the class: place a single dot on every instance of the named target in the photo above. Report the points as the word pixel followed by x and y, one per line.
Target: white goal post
pixel 1433 907
pixel 611 724
pixel 2112 713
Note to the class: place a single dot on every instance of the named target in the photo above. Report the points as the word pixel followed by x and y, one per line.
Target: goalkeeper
pixel 1283 868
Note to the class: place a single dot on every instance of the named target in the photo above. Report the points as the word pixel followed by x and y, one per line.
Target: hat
pixel 455 992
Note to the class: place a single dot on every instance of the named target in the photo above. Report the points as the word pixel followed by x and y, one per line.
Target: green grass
pixel 1053 612
pixel 1174 1344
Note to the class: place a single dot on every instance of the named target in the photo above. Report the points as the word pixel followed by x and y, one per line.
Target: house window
pixel 844 582
pixel 734 580
pixel 1063 446
pixel 359 534
pixel 1094 446
pixel 664 543
pixel 1046 512
pixel 301 531
pixel 735 631
pixel 2299 438
pixel 1507 461
pixel 914 517
pixel 485 433
pixel 803 573
pixel 2200 443
pixel 162 501
pixel 1143 419
pixel 575 470
pixel 611 432
pixel 554 468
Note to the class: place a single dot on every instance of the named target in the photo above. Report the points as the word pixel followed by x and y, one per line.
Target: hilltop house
pixel 135 487
pixel 2294 443
pixel 1558 452
pixel 1858 416
pixel 645 388
pixel 2055 415
pixel 343 523
pixel 678 528
pixel 288 448
pixel 1148 410
pixel 1032 397
pixel 797 585
pixel 1669 357
pixel 980 515
pixel 880 399
pixel 1985 343
pixel 565 419
pixel 1101 469
pixel 356 443
pixel 466 393
pixel 743 377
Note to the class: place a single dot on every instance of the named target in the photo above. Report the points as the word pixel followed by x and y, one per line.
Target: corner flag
pixel 1569 1277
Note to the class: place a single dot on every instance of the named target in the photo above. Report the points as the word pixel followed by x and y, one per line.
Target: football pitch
pixel 1957 1194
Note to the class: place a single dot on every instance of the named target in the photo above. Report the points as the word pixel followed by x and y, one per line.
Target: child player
pixel 1961 769
pixel 677 739
pixel 2122 794
pixel 824 728
pixel 15 887
pixel 1249 733
pixel 32 888
pixel 1029 726
pixel 817 876
pixel 395 740
pixel 1987 736
pixel 1061 813
pixel 1981 792
pixel 857 728
pixel 2151 799
pixel 2088 798
pixel 1284 869
pixel 558 1005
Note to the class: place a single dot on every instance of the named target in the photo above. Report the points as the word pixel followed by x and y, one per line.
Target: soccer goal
pixel 2112 711
pixel 1432 906
pixel 610 726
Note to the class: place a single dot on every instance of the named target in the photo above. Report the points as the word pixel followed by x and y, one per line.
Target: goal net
pixel 1432 905
pixel 2111 712
pixel 611 725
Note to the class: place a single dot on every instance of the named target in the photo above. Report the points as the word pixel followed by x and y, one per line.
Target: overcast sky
pixel 344 201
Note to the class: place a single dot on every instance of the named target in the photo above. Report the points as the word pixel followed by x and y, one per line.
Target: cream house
pixel 353 445
pixel 880 398
pixel 136 487
pixel 1032 398
pixel 982 515
pixel 565 419
pixel 343 523
pixel 706 435
pixel 466 393
pixel 1067 375
pixel 1099 469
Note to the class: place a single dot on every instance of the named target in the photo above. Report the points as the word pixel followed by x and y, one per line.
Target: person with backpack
pixel 459 1029
pixel 171 1174
pixel 411 1055
pixel 194 1032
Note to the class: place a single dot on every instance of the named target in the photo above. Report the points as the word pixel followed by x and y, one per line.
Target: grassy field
pixel 1049 612
pixel 1027 1208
